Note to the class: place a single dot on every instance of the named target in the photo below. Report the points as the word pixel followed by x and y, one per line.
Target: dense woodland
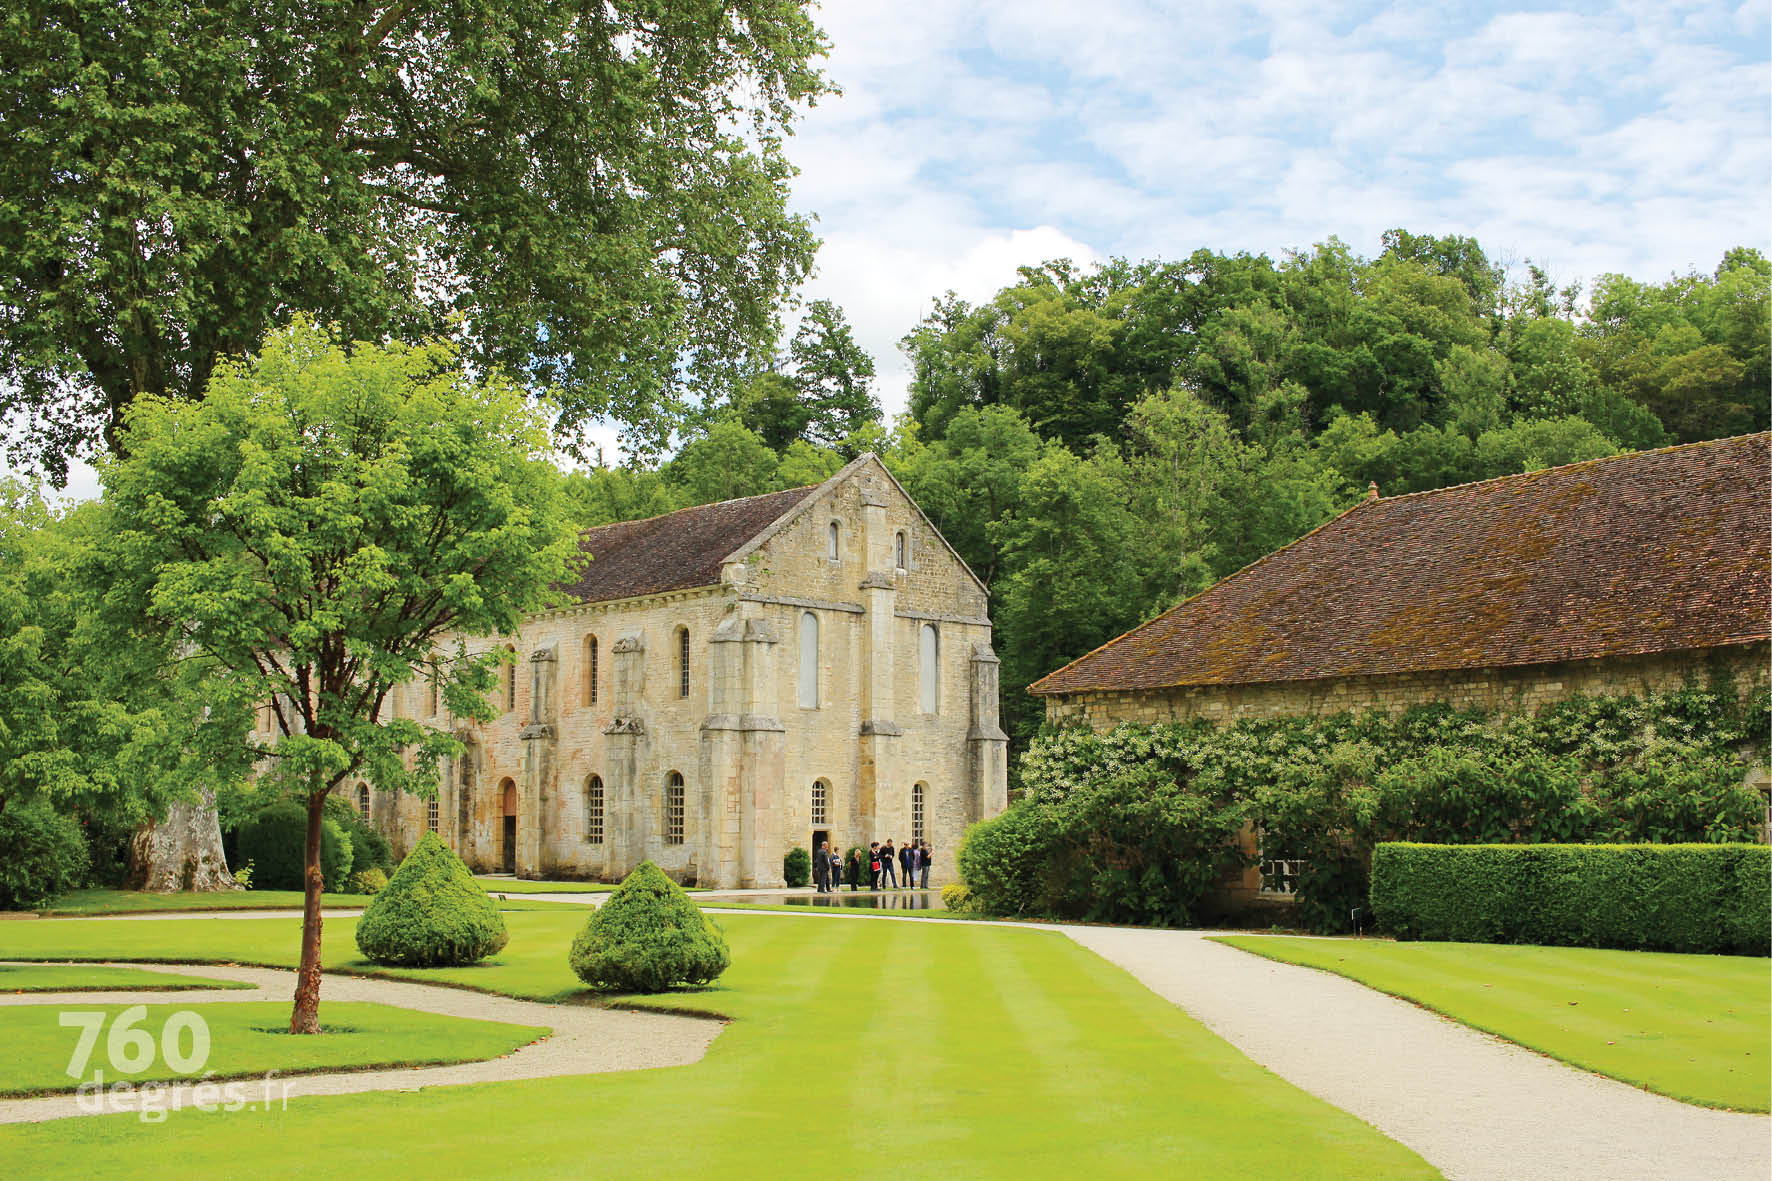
pixel 1100 444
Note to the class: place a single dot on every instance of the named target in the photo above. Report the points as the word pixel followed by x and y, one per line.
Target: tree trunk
pixel 182 852
pixel 306 1016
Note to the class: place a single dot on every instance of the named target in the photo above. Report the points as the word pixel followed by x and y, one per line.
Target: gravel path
pixel 1473 1105
pixel 586 1039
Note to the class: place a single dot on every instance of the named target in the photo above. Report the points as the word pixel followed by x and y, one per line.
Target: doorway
pixel 508 851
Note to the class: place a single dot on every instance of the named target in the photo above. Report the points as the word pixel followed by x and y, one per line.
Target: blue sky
pixel 975 137
pixel 971 138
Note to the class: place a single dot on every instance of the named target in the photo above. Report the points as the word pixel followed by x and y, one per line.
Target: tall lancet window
pixel 929 669
pixel 808 660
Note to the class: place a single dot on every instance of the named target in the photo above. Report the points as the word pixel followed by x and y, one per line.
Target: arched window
pixel 682 662
pixel 363 802
pixel 590 670
pixel 918 792
pixel 674 809
pixel 821 802
pixel 834 548
pixel 929 669
pixel 511 679
pixel 808 660
pixel 594 810
pixel 431 814
pixel 899 550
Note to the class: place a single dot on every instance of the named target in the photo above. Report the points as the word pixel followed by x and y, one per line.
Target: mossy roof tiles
pixel 1658 551
pixel 676 551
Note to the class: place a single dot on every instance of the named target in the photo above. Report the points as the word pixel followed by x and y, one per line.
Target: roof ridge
pixel 1198 595
pixel 1579 463
pixel 691 508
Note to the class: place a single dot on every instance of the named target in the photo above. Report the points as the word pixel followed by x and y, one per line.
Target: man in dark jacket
pixel 821 867
pixel 907 860
pixel 925 856
pixel 888 865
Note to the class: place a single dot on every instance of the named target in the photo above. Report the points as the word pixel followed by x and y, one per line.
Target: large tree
pixel 315 531
pixel 590 194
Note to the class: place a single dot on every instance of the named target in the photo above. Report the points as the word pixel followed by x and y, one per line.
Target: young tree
pixel 314 531
pixel 594 191
pixel 833 375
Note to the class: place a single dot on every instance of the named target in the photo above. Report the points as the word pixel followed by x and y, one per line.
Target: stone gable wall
pixel 747 751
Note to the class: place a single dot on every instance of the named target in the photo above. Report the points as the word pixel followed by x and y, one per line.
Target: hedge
pixel 1688 898
pixel 42 854
pixel 648 937
pixel 274 843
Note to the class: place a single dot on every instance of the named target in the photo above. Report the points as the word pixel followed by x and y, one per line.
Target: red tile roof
pixel 675 551
pixel 1659 551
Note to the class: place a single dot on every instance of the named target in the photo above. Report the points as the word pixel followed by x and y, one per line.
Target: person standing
pixel 836 871
pixel 821 868
pixel 907 860
pixel 888 865
pixel 924 856
pixel 874 864
pixel 856 866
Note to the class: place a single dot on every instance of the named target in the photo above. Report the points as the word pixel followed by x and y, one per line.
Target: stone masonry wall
pixel 748 752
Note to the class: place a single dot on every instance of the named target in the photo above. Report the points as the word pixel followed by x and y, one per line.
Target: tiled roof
pixel 1659 551
pixel 675 551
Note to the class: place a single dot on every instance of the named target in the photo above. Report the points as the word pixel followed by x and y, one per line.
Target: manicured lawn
pixel 979 1051
pixel 246 1039
pixel 1696 1027
pixel 91 977
pixel 78 902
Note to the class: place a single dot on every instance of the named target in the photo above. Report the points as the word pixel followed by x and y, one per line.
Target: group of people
pixel 901 867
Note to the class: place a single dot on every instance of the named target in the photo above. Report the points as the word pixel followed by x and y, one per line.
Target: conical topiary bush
pixel 648 937
pixel 432 914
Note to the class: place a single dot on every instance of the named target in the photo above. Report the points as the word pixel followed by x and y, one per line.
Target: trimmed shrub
pixel 957 898
pixel 369 849
pixel 648 937
pixel 1688 898
pixel 42 854
pixel 796 867
pixel 366 881
pixel 273 840
pixel 431 914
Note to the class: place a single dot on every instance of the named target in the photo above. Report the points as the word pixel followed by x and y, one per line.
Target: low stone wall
pixel 1508 690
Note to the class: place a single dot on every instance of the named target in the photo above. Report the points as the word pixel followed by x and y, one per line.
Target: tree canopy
pixel 324 526
pixel 589 194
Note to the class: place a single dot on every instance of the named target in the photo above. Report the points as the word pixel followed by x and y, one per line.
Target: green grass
pixel 980 1051
pixel 1694 1027
pixel 91 977
pixel 524 886
pixel 246 1039
pixel 82 902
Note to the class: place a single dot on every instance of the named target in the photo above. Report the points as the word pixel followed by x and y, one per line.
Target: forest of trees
pixel 1100 444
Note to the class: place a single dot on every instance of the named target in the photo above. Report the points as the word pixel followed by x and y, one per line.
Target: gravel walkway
pixel 586 1039
pixel 1473 1105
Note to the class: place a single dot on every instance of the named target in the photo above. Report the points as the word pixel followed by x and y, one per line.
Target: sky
pixel 971 138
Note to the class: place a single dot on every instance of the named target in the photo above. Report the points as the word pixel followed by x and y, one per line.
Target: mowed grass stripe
pixel 975 1051
pixel 1692 1027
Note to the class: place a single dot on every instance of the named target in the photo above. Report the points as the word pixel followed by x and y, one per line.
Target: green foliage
pixel 42 854
pixel 648 937
pixel 431 914
pixel 609 221
pixel 1142 842
pixel 796 867
pixel 369 848
pixel 366 881
pixel 273 841
pixel 1665 768
pixel 1688 898
pixel 957 899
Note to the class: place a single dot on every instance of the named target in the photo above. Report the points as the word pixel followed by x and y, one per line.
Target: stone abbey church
pixel 729 682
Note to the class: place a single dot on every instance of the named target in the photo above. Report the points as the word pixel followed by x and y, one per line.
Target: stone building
pixel 729 682
pixel 1620 575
